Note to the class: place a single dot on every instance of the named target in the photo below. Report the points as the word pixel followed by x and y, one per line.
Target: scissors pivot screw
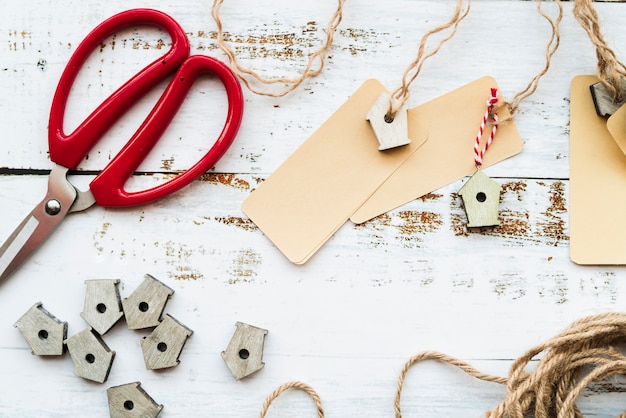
pixel 244 354
pixel 130 400
pixel 53 207
pixel 143 308
pixel 43 332
pixel 162 348
pixel 91 356
pixel 103 307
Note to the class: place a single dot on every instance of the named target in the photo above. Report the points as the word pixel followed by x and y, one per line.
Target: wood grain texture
pixel 130 400
pixel 102 307
pixel 410 280
pixel 481 199
pixel 390 131
pixel 244 353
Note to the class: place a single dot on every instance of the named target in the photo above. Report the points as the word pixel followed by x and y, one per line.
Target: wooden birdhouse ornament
pixel 144 307
pixel 162 348
pixel 391 131
pixel 102 307
pixel 131 401
pixel 604 101
pixel 244 354
pixel 43 332
pixel 480 194
pixel 91 356
pixel 481 199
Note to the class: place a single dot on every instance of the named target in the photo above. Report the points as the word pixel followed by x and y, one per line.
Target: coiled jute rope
pixel 586 352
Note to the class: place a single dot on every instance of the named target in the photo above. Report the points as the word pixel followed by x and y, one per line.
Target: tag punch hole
pixel 244 354
pixel 391 131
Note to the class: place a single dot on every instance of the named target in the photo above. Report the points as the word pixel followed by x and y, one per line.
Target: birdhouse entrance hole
pixel 481 197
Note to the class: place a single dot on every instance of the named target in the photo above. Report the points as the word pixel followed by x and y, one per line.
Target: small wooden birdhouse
pixel 144 307
pixel 131 401
pixel 91 356
pixel 390 131
pixel 102 307
pixel 43 332
pixel 481 198
pixel 162 348
pixel 244 354
pixel 603 99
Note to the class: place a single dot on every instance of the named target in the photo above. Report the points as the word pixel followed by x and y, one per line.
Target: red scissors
pixel 67 151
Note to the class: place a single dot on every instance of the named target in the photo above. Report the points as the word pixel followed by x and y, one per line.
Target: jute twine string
pixel 400 96
pixel 586 352
pixel 293 385
pixel 314 66
pixel 609 69
pixel 552 46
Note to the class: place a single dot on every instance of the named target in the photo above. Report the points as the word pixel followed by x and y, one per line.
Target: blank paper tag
pixel 315 191
pixel 597 183
pixel 450 123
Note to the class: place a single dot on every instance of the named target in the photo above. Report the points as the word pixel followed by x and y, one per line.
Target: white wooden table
pixel 375 294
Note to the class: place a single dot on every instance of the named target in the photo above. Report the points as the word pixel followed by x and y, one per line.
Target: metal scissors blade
pixel 62 198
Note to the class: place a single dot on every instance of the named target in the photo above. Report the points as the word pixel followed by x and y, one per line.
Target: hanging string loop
pixel 297 386
pixel 249 77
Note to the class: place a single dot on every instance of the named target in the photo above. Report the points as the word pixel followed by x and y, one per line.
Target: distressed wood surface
pixel 413 279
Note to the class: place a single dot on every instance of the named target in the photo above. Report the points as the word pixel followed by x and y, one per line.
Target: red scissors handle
pixel 108 186
pixel 69 150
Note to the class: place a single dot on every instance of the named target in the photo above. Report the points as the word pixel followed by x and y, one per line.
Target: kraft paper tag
pixel 450 123
pixel 314 192
pixel 597 182
pixel 616 124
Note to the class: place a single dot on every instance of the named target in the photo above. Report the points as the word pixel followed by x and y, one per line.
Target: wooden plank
pixel 413 279
pixel 274 127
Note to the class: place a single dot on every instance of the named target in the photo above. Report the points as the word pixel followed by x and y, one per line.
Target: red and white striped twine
pixel 478 154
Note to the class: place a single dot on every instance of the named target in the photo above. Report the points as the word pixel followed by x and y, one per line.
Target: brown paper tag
pixel 597 183
pixel 314 192
pixel 450 123
pixel 616 124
